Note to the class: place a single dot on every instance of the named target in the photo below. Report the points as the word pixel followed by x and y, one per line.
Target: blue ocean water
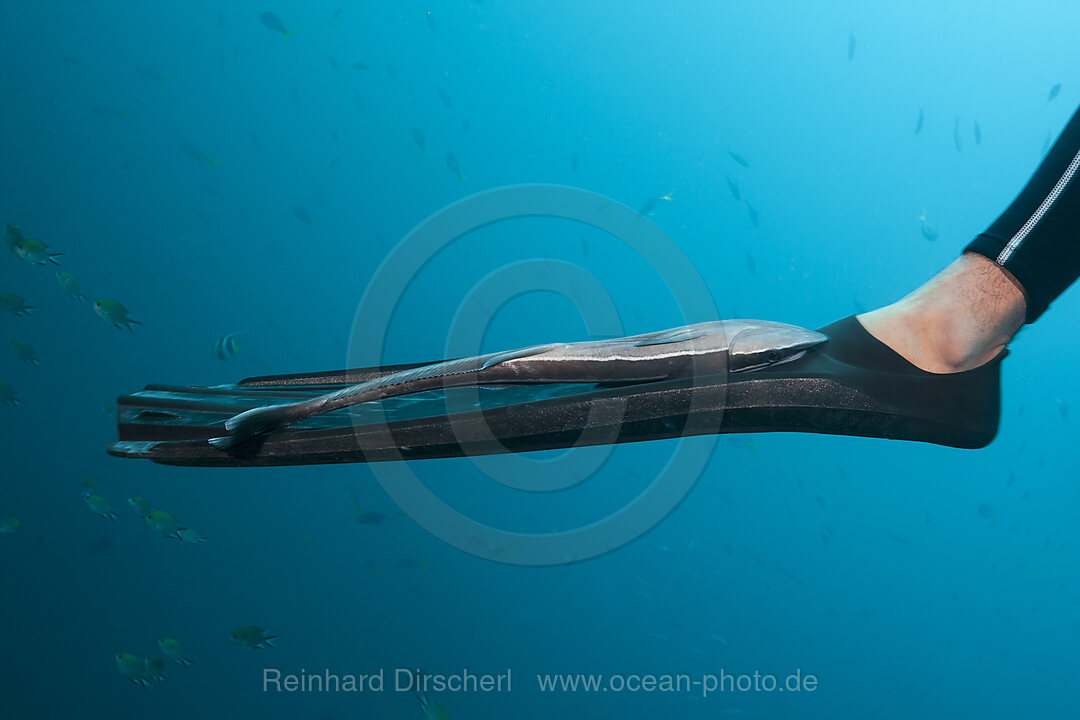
pixel 215 175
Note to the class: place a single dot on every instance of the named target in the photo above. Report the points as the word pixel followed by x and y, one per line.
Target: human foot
pixel 958 320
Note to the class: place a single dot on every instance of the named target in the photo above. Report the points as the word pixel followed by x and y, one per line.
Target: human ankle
pixel 960 319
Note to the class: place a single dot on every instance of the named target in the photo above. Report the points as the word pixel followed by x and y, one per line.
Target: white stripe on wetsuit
pixel 1040 212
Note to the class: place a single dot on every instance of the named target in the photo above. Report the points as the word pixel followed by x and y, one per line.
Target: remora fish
pixel 704 348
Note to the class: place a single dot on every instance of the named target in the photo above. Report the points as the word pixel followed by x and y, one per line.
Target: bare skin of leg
pixel 958 320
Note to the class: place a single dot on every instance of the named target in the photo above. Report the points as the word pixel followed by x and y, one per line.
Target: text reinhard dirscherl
pixel 402 680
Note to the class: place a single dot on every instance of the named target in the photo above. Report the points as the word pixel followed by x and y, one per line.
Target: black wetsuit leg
pixel 1037 239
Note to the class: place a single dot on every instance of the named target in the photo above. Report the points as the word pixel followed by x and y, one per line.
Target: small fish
pixel 956 136
pixel 359 66
pixel 212 190
pixel 850 46
pixel 1063 409
pixel 649 206
pixel 750 264
pixel 172 650
pixel 929 230
pixel 194 152
pixel 1046 142
pixel 35 252
pixel 574 162
pixel 445 98
pixel 733 188
pixel 465 125
pixel 100 507
pixel 25 352
pixel 358 100
pixel 12 236
pixel 430 19
pixel 390 71
pixel 226 347
pixel 978 133
pixel 132 668
pixel 163 523
pixel 418 138
pixel 114 313
pixel 338 14
pixel 9 525
pixel 301 214
pixel 189 536
pixel 90 485
pixel 335 63
pixel 252 637
pixel 140 505
pixel 738 158
pixel 1054 92
pixel 919 122
pixel 413 564
pixel 431 709
pixel 70 285
pixel 455 167
pixel 14 304
pixel 272 22
pixel 150 73
pixel 371 517
pixel 154 669
pixel 986 511
pixel 754 219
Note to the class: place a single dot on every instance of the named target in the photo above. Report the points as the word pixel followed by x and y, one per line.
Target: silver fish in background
pixel 651 204
pixel 301 214
pixel 919 122
pixel 733 188
pixel 196 153
pixel 739 158
pixel 455 166
pixel 929 230
pixel 418 138
pixel 272 22
pixel 755 220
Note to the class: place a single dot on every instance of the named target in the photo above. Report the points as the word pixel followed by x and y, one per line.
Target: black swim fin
pixel 851 385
